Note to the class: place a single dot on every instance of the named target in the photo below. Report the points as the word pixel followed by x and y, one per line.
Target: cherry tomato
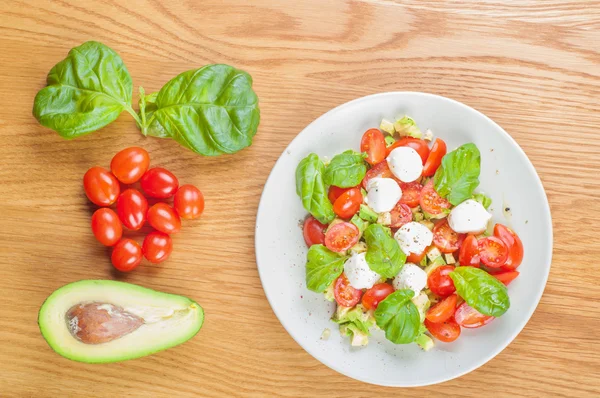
pixel 506 277
pixel 101 187
pixel 379 170
pixel 157 247
pixel 373 143
pixel 401 214
pixel 344 294
pixel 132 207
pixel 348 203
pixel 163 218
pixel 469 252
pixel 415 143
pixel 313 231
pixel 443 310
pixel 130 164
pixel 439 281
pixel 126 255
pixel 188 202
pixel 431 202
pixel 493 252
pixel 445 239
pixel 159 183
pixel 341 237
pixel 468 317
pixel 335 192
pixel 446 332
pixel 411 193
pixel 438 150
pixel 514 244
pixel 106 226
pixel 376 294
pixel 415 258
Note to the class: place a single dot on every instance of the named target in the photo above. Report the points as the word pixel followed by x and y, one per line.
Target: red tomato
pixel 341 237
pixel 506 277
pixel 348 203
pixel 157 247
pixel 493 252
pixel 468 317
pixel 431 202
pixel 411 193
pixel 445 238
pixel 130 164
pixel 101 187
pixel 163 218
pixel 514 244
pixel 443 310
pixel 415 143
pixel 106 226
pixel 379 170
pixel 439 281
pixel 335 192
pixel 373 143
pixel 344 294
pixel 126 255
pixel 188 202
pixel 446 332
pixel 401 214
pixel 438 150
pixel 132 207
pixel 415 258
pixel 314 231
pixel 376 294
pixel 159 183
pixel 469 252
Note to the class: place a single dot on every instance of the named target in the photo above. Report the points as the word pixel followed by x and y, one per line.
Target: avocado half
pixel 101 321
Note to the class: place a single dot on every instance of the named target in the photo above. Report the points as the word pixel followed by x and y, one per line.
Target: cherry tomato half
pixel 446 332
pixel 348 203
pixel 341 237
pixel 157 247
pixel 344 294
pixel 188 202
pixel 493 252
pixel 439 281
pixel 514 244
pixel 401 214
pixel 416 258
pixel 469 252
pixel 415 143
pixel 126 255
pixel 132 207
pixel 376 294
pixel 445 239
pixel 373 143
pixel 101 187
pixel 411 193
pixel 443 310
pixel 379 170
pixel 159 183
pixel 313 231
pixel 106 226
pixel 431 202
pixel 434 160
pixel 163 218
pixel 335 192
pixel 506 277
pixel 130 164
pixel 468 317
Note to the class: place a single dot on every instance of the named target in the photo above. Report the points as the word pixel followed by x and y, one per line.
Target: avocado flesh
pixel 168 320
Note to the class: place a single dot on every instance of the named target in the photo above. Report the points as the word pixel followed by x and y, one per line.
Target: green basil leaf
pixel 86 91
pixel 458 176
pixel 346 170
pixel 384 255
pixel 311 188
pixel 322 268
pixel 399 317
pixel 211 110
pixel 485 200
pixel 481 290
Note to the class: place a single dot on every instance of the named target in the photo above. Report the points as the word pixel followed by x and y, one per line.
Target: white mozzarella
pixel 469 217
pixel 382 194
pixel 405 163
pixel 413 237
pixel 358 272
pixel 411 277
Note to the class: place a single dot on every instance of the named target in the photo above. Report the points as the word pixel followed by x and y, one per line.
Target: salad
pixel 400 241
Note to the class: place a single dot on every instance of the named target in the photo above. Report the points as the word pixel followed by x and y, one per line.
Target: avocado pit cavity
pixel 96 323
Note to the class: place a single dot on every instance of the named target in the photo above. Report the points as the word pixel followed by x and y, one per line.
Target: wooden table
pixel 533 67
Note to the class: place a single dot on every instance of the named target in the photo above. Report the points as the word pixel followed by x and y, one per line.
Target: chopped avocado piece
pixel 485 201
pixel 387 126
pixel 429 216
pixel 389 140
pixel 416 209
pixel 449 258
pixel 433 253
pixel 326 333
pixel 358 338
pixel 329 293
pixel 424 341
pixel 358 248
pixel 407 127
pixel 363 192
pixel 367 214
pixel 436 263
pixel 423 262
pixel 422 303
pixel 428 135
pixel 385 219
pixel 418 217
pixel 355 323
pixel 428 224
pixel 135 321
pixel 360 223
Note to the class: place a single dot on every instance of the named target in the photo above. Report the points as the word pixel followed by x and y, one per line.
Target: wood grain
pixel 532 66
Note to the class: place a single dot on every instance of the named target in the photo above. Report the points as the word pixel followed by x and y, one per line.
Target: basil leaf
pixel 398 316
pixel 384 255
pixel 346 170
pixel 481 290
pixel 211 110
pixel 322 268
pixel 86 91
pixel 311 189
pixel 458 176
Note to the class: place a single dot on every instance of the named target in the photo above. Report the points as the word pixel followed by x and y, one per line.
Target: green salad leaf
pixel 322 267
pixel 311 188
pixel 481 290
pixel 346 170
pixel 458 175
pixel 398 316
pixel 384 255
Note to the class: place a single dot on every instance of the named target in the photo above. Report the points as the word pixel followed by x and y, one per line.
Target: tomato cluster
pixel 103 188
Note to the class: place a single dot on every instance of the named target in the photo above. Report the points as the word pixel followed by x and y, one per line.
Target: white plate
pixel 507 176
